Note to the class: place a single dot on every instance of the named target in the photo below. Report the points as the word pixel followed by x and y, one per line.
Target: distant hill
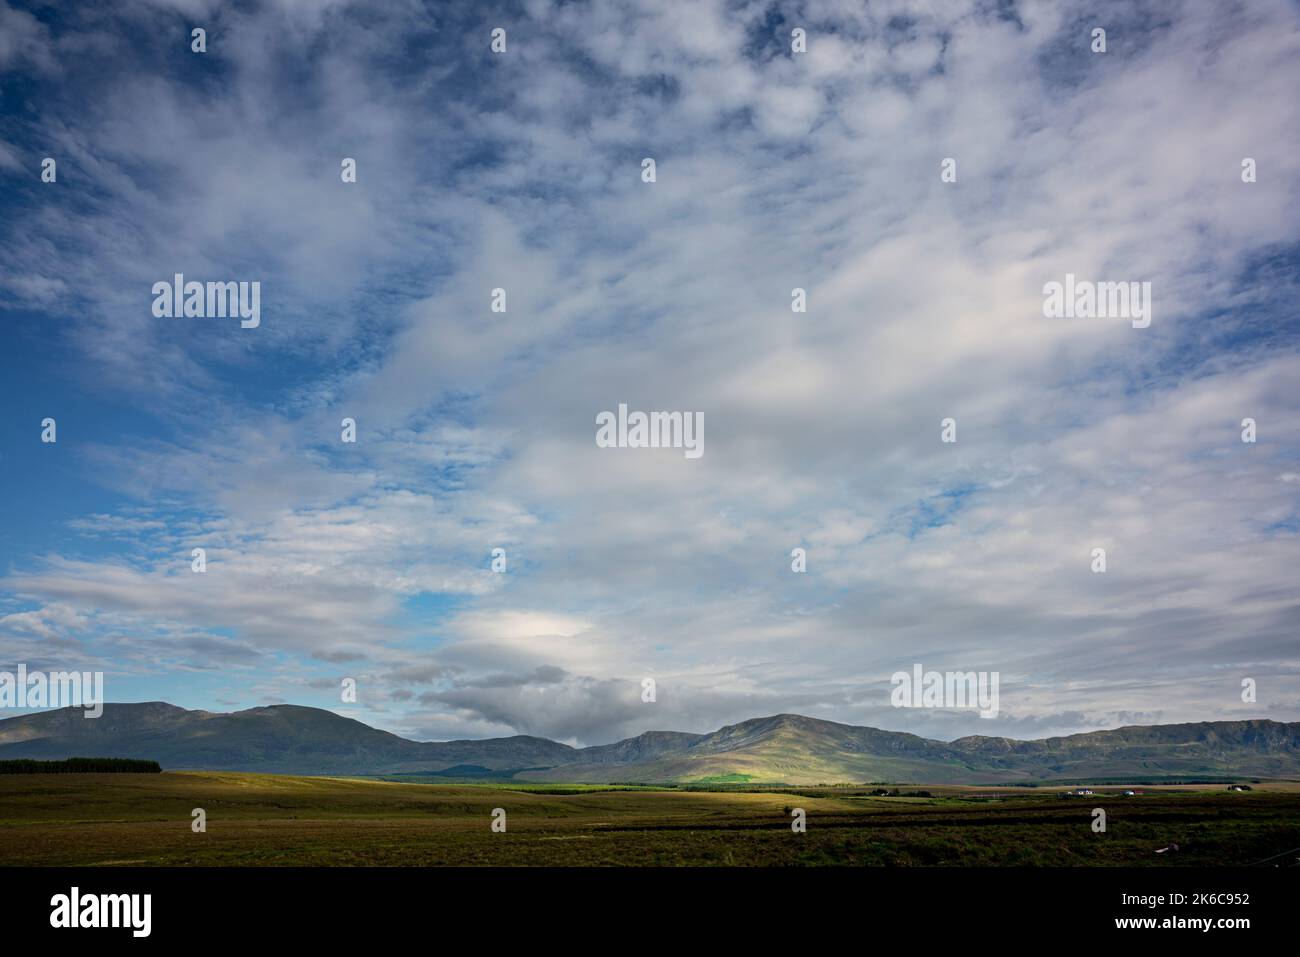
pixel 784 748
pixel 286 739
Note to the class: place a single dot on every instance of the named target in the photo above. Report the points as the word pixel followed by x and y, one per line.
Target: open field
pixel 255 819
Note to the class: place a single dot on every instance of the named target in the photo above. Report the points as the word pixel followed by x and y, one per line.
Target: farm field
pixel 274 820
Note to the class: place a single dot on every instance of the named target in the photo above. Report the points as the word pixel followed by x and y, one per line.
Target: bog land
pixel 277 820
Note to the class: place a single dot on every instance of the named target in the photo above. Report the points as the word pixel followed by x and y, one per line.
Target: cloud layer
pixel 775 170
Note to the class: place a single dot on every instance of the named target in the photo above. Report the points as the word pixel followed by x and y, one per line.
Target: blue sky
pixel 522 170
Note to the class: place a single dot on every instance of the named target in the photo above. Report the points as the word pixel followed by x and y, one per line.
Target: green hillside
pixel 785 748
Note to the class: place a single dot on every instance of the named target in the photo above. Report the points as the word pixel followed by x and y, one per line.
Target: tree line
pixel 80 766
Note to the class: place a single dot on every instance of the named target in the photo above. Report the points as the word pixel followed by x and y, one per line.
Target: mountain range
pixel 783 748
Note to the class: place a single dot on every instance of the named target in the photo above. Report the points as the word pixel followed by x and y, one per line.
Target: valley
pixel 278 820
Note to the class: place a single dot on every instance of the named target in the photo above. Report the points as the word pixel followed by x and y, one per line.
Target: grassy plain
pixel 259 819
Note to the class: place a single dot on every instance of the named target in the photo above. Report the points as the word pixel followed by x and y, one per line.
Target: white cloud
pixel 822 429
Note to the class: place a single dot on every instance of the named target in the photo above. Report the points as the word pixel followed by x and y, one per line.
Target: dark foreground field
pixel 253 819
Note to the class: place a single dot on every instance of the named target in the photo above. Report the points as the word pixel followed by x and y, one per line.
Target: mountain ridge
pixel 781 748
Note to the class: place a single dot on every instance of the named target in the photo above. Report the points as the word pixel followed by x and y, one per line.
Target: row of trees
pixel 81 766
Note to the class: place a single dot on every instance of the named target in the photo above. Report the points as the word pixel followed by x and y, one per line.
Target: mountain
pixel 783 748
pixel 285 739
pixel 788 748
pixel 796 749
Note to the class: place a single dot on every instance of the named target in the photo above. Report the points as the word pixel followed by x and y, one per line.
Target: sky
pixel 522 170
